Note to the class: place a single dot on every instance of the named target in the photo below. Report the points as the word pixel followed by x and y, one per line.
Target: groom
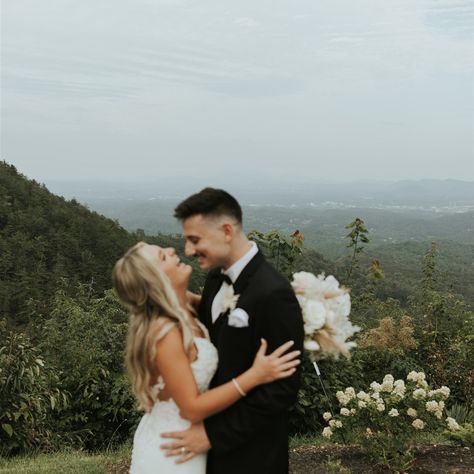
pixel 250 437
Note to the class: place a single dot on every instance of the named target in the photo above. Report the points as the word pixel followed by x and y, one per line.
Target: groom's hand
pixel 194 440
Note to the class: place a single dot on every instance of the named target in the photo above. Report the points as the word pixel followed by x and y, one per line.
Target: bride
pixel 170 359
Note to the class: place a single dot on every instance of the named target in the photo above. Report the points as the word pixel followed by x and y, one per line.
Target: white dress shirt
pixel 233 273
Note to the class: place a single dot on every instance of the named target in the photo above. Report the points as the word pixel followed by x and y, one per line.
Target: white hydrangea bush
pixel 387 417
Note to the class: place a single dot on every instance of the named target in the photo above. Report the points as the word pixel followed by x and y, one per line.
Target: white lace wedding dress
pixel 147 457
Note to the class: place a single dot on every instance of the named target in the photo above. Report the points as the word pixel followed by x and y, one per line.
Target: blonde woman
pixel 170 359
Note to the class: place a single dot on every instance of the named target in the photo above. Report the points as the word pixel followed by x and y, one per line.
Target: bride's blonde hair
pixel 154 308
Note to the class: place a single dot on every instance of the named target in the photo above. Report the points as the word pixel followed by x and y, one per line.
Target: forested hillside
pixel 46 242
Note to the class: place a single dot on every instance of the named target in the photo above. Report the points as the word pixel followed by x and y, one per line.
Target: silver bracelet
pixel 238 387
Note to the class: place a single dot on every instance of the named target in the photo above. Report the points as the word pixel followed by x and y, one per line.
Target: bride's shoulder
pixel 162 325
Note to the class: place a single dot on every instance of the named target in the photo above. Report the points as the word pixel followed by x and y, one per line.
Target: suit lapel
pixel 211 288
pixel 244 277
pixel 214 284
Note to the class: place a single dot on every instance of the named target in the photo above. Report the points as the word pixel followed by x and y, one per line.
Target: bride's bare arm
pixel 173 365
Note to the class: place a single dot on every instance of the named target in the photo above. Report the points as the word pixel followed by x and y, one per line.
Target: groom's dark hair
pixel 209 202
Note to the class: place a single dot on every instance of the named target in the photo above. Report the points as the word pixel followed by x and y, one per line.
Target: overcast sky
pixel 323 89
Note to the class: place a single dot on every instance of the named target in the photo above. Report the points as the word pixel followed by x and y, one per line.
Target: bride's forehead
pixel 151 250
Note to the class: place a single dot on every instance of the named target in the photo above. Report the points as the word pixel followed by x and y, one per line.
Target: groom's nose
pixel 189 249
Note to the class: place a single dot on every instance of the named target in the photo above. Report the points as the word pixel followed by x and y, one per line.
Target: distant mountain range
pixel 443 195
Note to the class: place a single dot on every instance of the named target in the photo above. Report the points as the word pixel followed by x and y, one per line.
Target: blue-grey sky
pixel 331 89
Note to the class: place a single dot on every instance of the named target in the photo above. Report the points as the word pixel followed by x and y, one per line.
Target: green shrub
pixel 30 393
pixel 85 337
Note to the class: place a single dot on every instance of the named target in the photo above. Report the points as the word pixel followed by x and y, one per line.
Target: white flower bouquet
pixel 326 307
pixel 386 418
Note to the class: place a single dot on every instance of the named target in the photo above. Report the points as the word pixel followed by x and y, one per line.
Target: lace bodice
pixel 203 367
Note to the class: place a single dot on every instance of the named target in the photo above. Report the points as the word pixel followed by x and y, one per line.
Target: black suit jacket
pixel 251 436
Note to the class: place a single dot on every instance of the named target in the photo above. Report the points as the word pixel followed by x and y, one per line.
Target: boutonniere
pixel 229 300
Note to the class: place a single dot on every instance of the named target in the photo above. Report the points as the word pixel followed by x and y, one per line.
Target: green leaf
pixel 8 429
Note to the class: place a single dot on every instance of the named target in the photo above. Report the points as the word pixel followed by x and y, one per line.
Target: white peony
pixel 311 345
pixel 314 316
pixel 304 282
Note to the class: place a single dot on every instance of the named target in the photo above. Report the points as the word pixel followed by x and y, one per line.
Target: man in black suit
pixel 250 437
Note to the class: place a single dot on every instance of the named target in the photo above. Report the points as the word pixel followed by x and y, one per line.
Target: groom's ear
pixel 229 231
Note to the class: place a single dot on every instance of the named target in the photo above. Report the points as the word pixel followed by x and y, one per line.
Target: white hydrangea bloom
pixel 412 412
pixel 376 387
pixel 327 432
pixel 345 412
pixel 350 392
pixel 335 424
pixel 418 424
pixel 444 391
pixel 342 397
pixel 388 379
pixel 431 406
pixel 419 394
pixel 362 404
pixel 399 388
pixel 386 386
pixel 422 384
pixel 412 376
pixel 380 405
pixel 363 396
pixel 452 424
pixel 327 416
pixel 393 412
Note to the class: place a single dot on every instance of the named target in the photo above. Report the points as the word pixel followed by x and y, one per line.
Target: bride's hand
pixel 276 365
